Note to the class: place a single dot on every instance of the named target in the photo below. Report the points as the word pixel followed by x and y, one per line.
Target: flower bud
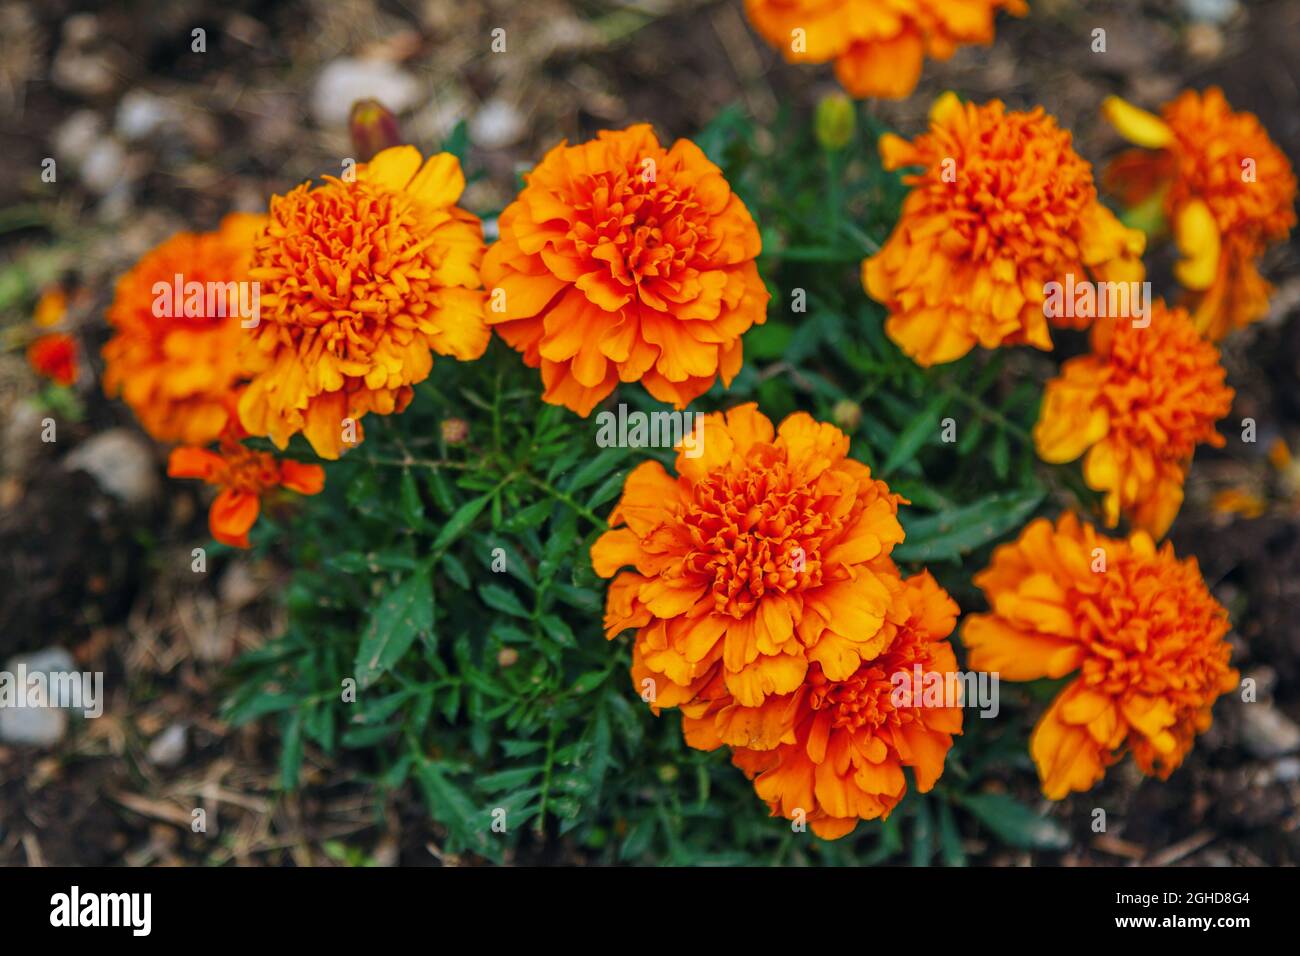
pixel 455 431
pixel 847 415
pixel 373 128
pixel 834 122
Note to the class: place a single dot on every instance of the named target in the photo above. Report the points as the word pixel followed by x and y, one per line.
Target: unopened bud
pixel 834 122
pixel 847 415
pixel 455 431
pixel 507 657
pixel 373 128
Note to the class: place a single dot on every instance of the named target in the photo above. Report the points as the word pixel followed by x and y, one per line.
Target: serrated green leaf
pixel 503 600
pixel 404 612
pixel 1014 823
pixel 460 521
pixel 954 533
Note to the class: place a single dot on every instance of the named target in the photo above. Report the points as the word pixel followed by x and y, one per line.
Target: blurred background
pixel 150 136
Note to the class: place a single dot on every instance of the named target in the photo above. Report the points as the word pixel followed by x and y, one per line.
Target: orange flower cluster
pixel 623 261
pixel 1003 206
pixel 768 609
pixel 1138 404
pixel 1227 190
pixel 878 46
pixel 361 281
pixel 176 366
pixel 53 355
pixel 1136 626
pixel 244 477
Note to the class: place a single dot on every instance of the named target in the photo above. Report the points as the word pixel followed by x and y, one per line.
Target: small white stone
pixel 121 462
pixel 1267 732
pixel 346 80
pixel 496 125
pixel 168 748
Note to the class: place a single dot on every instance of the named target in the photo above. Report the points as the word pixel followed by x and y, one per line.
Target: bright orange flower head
pixel 756 559
pixel 245 476
pixel 361 281
pixel 623 261
pixel 55 357
pixel 1138 404
pixel 842 754
pixel 1003 206
pixel 878 45
pixel 1228 193
pixel 1137 627
pixel 174 361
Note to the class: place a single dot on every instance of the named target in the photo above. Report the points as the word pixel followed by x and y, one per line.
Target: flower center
pixel 756 532
pixel 640 227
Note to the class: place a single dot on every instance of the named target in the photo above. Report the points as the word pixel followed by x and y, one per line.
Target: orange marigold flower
pixel 175 364
pixel 244 476
pixel 623 261
pixel 878 45
pixel 55 357
pixel 361 281
pixel 842 758
pixel 1003 206
pixel 1226 189
pixel 756 558
pixel 1138 404
pixel 1137 627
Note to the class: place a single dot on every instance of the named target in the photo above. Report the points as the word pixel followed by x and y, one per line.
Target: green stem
pixel 567 500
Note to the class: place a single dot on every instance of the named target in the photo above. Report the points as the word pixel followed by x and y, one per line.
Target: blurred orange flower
pixel 623 261
pixel 878 45
pixel 245 476
pixel 1138 404
pixel 842 758
pixel 55 357
pixel 1137 627
pixel 361 280
pixel 1226 189
pixel 176 367
pixel 1003 206
pixel 758 558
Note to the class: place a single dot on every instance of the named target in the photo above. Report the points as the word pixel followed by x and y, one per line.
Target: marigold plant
pixel 1224 186
pixel 1137 627
pixel 362 279
pixel 625 261
pixel 175 363
pixel 1002 206
pixel 878 46
pixel 1138 405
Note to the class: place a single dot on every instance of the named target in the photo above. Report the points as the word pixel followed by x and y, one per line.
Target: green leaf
pixel 449 805
pixel 291 751
pixel 949 839
pixel 954 533
pixel 1013 822
pixel 458 523
pixel 500 599
pixel 404 612
pixel 924 424
pixel 589 682
pixel 412 504
pixel 596 468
